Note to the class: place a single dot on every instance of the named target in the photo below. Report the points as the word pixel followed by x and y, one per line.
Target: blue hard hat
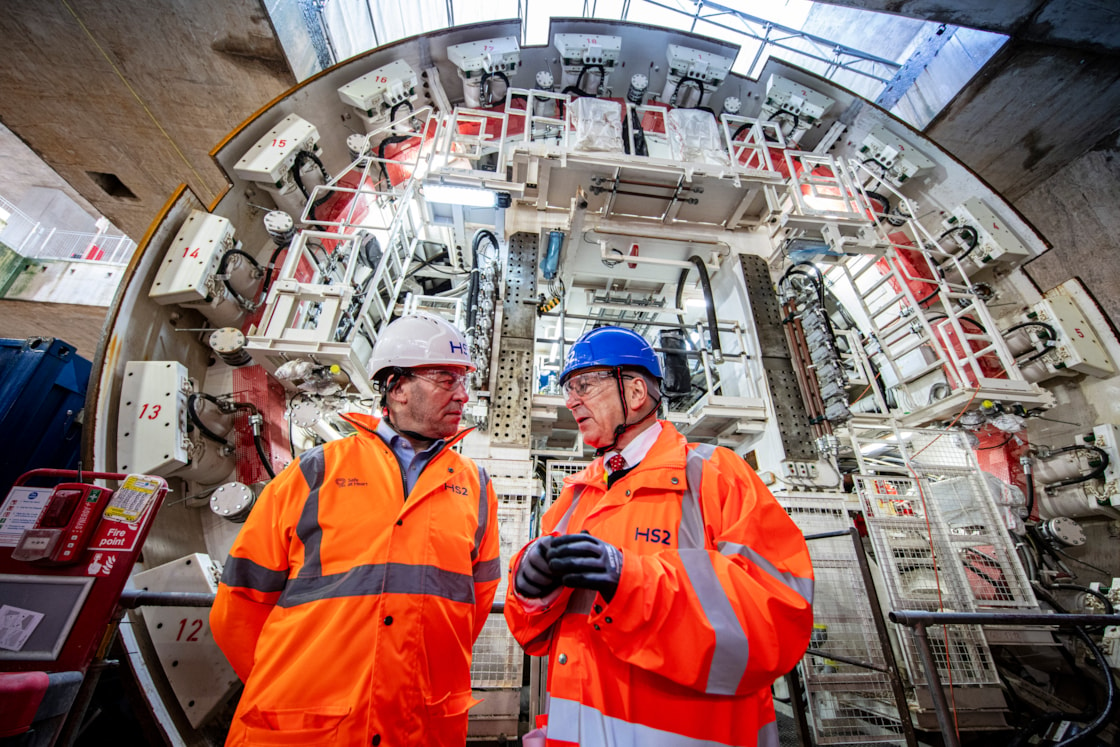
pixel 611 346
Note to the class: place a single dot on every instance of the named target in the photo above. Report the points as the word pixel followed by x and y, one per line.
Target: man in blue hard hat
pixel 668 588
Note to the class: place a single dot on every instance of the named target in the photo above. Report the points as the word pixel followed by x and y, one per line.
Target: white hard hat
pixel 419 340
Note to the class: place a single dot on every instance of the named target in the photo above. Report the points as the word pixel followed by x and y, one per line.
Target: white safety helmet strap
pixel 419 340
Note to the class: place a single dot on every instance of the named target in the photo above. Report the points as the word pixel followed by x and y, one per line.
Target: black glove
pixel 586 562
pixel 534 579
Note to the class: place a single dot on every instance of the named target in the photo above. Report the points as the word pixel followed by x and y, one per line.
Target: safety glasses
pixel 583 384
pixel 445 379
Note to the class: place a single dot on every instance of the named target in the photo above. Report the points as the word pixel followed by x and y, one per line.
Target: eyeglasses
pixel 445 379
pixel 583 384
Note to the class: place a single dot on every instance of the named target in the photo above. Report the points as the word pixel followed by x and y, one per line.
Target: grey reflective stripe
pixel 732 650
pixel 802 586
pixel 692 534
pixel 386 578
pixel 569 721
pixel 483 512
pixel 246 574
pixel 562 525
pixel 488 570
pixel 768 735
pixel 312 464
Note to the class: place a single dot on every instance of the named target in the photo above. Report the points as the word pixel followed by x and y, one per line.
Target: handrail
pixel 919 619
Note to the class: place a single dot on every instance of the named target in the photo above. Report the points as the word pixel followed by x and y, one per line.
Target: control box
pixel 192 259
pixel 272 157
pixel 996 244
pixel 588 49
pixel 710 69
pixel 500 55
pixel 785 95
pixel 899 160
pixel 1078 348
pixel 377 92
pixel 152 419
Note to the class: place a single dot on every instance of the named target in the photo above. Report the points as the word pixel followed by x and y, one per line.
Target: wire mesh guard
pixel 497 659
pixel 921 571
pixel 555 473
pixel 847 704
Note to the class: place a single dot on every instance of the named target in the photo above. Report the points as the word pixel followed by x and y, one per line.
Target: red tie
pixel 615 463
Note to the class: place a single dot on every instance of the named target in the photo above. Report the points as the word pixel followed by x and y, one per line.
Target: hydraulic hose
pixel 1097 472
pixel 241 300
pixel 256 421
pixel 473 288
pixel 197 421
pixel 706 284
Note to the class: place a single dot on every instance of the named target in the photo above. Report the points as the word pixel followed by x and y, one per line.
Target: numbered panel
pixel 192 259
pixel 152 419
pixel 195 667
pixel 270 159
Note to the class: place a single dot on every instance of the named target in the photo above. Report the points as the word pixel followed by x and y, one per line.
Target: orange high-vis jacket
pixel 714 604
pixel 349 609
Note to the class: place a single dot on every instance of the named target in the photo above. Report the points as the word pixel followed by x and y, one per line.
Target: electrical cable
pixel 1005 442
pixel 474 285
pixel 398 105
pixel 391 140
pixel 972 237
pixel 706 285
pixel 297 166
pixel 1048 327
pixel 1079 561
pixel 221 272
pixel 796 119
pixel 681 82
pixel 271 266
pixel 579 92
pixel 883 200
pixel 969 319
pixel 485 83
pixel 1029 475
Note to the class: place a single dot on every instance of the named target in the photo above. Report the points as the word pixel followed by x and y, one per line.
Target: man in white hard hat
pixel 356 589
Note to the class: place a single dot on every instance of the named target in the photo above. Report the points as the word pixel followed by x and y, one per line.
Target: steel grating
pixel 919 568
pixel 847 704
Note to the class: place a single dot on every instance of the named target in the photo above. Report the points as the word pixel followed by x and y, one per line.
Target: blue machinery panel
pixel 42 391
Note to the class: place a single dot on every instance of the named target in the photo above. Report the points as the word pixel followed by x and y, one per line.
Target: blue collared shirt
pixel 412 463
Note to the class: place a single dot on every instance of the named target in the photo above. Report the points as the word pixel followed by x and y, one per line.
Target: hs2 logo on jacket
pixel 661 536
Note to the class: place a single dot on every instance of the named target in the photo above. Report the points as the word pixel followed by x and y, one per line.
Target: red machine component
pixel 254 384
pixel 998 454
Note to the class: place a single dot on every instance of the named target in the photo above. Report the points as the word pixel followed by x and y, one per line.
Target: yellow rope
pixel 201 181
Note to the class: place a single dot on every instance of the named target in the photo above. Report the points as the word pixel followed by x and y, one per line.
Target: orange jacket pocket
pixel 447 718
pixel 294 726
